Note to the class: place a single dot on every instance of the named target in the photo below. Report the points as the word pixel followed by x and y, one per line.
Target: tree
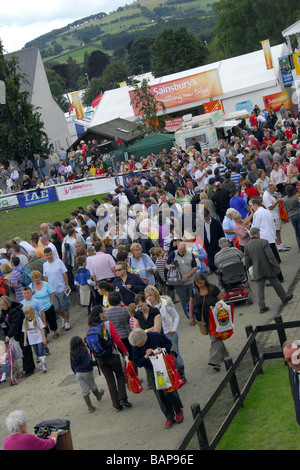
pixel 242 24
pixel 114 73
pixel 148 107
pixel 21 129
pixel 96 63
pixel 139 55
pixel 176 50
pixel 92 91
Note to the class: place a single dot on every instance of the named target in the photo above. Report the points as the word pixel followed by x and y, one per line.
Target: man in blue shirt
pixel 240 205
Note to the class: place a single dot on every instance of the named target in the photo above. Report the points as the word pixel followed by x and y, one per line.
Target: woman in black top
pixel 147 318
pixel 204 296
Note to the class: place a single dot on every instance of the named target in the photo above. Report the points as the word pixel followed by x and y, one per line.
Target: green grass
pixel 21 222
pixel 267 421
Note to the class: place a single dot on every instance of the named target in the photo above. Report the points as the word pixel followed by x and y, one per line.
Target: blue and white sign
pixel 32 198
pixel 286 71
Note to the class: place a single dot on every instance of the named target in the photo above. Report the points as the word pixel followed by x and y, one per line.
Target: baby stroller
pixel 234 280
pixel 12 362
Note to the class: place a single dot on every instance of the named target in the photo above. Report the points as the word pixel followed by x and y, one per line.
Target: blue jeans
pixel 295 219
pixel 175 347
pixel 39 349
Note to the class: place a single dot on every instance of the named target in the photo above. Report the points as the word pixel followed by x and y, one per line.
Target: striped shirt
pixel 226 256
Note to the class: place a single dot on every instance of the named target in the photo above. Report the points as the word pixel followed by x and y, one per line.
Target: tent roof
pixel 121 128
pixel 27 63
pixel 293 29
pixel 238 75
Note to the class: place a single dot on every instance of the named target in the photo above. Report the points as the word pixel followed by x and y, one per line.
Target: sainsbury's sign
pixel 184 90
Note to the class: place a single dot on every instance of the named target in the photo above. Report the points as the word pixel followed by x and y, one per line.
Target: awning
pixel 227 123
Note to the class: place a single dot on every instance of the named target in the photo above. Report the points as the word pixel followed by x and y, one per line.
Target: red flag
pixel 96 101
pixel 71 108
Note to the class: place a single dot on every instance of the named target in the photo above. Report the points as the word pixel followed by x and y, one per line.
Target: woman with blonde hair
pixel 34 334
pixel 142 264
pixel 12 316
pixel 169 321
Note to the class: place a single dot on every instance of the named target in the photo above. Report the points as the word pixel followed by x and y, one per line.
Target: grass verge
pixel 267 420
pixel 21 222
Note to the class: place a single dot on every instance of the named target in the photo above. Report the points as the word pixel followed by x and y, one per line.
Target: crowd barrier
pixel 66 191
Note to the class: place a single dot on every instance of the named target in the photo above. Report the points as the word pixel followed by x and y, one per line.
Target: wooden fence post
pixel 280 331
pixel 201 431
pixel 235 390
pixel 253 347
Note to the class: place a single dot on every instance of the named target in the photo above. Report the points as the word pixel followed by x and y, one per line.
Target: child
pixel 3 361
pixel 37 307
pixel 84 281
pixel 104 289
pixel 82 366
pixel 34 334
pixel 131 310
pixel 161 261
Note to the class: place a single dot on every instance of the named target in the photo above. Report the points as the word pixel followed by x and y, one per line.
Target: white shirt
pixel 268 200
pixel 263 220
pixel 198 174
pixel 34 335
pixel 54 272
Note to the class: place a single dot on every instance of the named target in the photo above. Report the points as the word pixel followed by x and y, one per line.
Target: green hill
pixel 108 32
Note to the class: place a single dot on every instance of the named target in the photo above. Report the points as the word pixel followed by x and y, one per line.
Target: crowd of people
pixel 186 209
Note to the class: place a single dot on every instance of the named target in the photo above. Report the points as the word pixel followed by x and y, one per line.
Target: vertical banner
pixel 77 105
pixel 285 69
pixel 296 58
pixel 267 53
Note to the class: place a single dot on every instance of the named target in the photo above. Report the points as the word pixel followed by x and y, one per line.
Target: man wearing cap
pixel 257 253
pixel 227 256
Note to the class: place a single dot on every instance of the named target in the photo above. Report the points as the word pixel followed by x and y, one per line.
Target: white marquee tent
pixel 243 78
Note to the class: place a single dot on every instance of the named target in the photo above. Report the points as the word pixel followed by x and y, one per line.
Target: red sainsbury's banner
pixel 184 90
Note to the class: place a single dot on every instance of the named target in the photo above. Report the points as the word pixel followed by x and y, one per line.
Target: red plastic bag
pixel 132 380
pixel 282 212
pixel 173 373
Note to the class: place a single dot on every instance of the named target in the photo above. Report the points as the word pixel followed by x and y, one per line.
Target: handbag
pixel 202 325
pixel 132 380
pixel 161 376
pixel 173 373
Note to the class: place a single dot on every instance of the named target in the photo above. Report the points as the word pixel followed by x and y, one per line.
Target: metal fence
pixel 198 427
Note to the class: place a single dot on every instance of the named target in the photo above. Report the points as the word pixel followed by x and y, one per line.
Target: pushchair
pixel 234 280
pixel 13 369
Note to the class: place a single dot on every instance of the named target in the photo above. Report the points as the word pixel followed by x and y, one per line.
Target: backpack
pixel 99 340
pixel 68 255
pixel 4 287
pixel 25 276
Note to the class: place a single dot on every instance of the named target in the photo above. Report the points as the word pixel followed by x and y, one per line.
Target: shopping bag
pixel 132 380
pixel 221 320
pixel 174 277
pixel 161 376
pixel 15 348
pixel 283 212
pixel 173 373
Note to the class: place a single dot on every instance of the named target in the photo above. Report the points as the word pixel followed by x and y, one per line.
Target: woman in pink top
pixel 241 228
pixel 16 423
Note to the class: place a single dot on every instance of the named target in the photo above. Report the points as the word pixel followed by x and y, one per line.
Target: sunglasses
pixel 117 270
